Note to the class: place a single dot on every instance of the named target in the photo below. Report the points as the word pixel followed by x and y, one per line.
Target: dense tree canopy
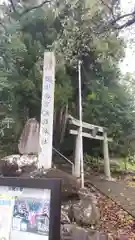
pixel 74 30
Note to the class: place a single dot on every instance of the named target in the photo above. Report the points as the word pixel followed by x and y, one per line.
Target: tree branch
pixel 3 26
pixel 127 24
pixel 115 20
pixel 114 23
pixel 106 5
pixel 132 14
pixel 34 8
pixel 13 7
pixel 27 9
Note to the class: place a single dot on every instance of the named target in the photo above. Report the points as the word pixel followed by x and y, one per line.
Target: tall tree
pixel 73 30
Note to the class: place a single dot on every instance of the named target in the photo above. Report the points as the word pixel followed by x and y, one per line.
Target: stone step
pixel 64 167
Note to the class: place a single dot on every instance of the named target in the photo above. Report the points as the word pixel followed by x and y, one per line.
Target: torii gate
pixel 93 131
pixel 46 124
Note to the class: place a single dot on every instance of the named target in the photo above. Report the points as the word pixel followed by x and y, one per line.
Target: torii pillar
pixel 106 156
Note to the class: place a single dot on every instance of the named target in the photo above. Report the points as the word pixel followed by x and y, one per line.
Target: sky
pixel 128 64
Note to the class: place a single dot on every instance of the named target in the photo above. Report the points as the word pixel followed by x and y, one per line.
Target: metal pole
pixel 80 129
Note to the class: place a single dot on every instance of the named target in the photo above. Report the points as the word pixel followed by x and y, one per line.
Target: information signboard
pixel 29 209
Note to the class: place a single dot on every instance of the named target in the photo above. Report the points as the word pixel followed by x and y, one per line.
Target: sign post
pixel 30 209
pixel 47 108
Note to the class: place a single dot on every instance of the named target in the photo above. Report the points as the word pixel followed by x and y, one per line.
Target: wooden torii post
pixel 93 131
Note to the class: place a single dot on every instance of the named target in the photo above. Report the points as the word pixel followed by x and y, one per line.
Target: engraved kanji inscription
pixel 45 131
pixel 45 113
pixel 47 86
pixel 44 141
pixel 48 79
pixel 45 121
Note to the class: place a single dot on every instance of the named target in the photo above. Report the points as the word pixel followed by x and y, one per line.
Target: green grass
pixel 129 166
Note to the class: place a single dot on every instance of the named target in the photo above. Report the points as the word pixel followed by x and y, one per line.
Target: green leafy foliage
pixel 71 28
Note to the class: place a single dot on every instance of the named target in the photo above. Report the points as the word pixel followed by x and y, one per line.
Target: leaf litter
pixel 113 219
